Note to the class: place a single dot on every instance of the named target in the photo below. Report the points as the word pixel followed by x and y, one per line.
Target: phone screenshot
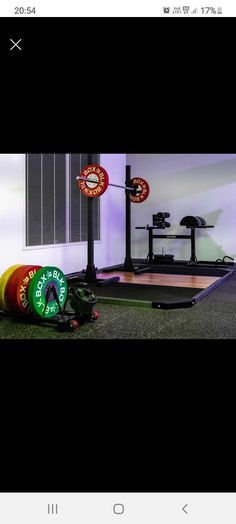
pixel 117 264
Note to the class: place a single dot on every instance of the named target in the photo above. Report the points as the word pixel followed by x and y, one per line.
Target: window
pixel 56 211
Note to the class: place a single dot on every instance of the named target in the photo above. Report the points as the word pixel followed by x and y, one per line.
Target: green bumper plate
pixel 45 277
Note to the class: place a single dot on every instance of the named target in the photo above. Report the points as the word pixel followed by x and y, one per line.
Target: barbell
pixel 93 181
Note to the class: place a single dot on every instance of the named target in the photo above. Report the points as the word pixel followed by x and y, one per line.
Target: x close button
pixel 15 45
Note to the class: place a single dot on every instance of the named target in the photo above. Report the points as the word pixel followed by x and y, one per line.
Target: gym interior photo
pixel 118 246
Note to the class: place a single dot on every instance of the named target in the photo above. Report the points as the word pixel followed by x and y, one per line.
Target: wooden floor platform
pixel 162 279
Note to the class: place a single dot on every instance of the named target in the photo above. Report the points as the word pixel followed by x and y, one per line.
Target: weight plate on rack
pixel 44 278
pixel 144 188
pixel 93 189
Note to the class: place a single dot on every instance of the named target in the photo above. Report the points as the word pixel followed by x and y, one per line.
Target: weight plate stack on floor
pixel 3 283
pixel 17 288
pixel 83 301
pixel 48 280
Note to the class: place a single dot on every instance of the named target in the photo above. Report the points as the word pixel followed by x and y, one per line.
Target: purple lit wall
pixel 188 184
pixel 112 204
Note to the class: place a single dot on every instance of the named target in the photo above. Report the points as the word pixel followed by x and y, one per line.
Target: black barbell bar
pixel 91 181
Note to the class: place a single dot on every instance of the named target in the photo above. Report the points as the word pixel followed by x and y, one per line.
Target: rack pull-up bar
pixel 90 273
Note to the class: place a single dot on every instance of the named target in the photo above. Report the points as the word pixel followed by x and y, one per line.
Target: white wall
pixel 187 184
pixel 108 251
pixel 113 213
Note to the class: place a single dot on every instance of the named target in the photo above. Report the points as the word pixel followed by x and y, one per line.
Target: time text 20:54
pixel 24 10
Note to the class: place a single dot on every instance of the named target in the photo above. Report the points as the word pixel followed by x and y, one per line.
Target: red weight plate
pixel 10 287
pixel 143 186
pixel 93 189
pixel 17 288
pixel 7 297
pixel 21 297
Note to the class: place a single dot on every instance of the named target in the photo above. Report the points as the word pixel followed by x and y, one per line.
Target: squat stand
pixel 128 263
pixel 90 273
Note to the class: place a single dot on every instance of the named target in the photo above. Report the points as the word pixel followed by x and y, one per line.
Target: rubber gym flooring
pixel 212 318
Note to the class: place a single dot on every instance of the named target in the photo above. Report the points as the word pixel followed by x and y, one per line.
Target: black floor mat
pixel 142 292
pixel 177 270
